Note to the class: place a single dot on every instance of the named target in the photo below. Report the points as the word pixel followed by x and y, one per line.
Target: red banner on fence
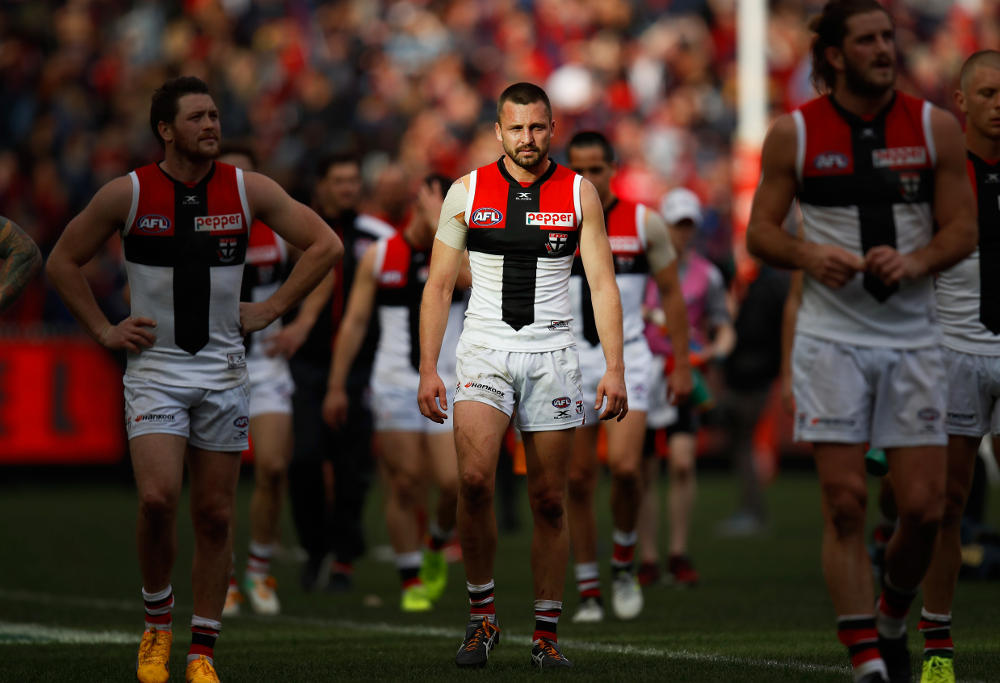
pixel 60 403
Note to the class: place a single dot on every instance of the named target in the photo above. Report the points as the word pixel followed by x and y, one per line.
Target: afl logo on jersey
pixel 153 224
pixel 484 218
pixel 830 161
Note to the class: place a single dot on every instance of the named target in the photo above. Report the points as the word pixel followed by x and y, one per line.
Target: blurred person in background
pixel 874 170
pixel 389 282
pixel 521 219
pixel 968 307
pixel 712 338
pixel 21 261
pixel 328 515
pixel 185 224
pixel 268 261
pixel 642 250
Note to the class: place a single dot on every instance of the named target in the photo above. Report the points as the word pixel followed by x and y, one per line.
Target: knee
pixel 211 521
pixel 923 511
pixel 954 506
pixel 627 474
pixel 269 474
pixel 158 507
pixel 681 472
pixel 548 507
pixel 475 489
pixel 581 484
pixel 845 509
pixel 405 487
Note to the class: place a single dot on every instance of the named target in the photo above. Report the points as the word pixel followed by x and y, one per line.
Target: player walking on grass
pixel 641 247
pixel 521 219
pixel 267 262
pixel 968 306
pixel 185 224
pixel 390 280
pixel 873 170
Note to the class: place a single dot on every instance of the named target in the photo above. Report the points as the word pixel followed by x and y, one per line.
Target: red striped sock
pixel 858 634
pixel 588 580
pixel 623 553
pixel 547 620
pixel 204 633
pixel 259 559
pixel 937 634
pixel 481 601
pixel 408 566
pixel 893 605
pixel 159 607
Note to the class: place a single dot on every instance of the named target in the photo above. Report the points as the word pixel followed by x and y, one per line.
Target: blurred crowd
pixel 408 84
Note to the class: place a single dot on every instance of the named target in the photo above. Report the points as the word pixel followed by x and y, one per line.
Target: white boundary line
pixel 33 633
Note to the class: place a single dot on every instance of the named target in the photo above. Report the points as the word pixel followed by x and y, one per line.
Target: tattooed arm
pixel 21 261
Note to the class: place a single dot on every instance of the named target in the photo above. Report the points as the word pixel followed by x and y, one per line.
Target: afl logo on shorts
pixel 484 218
pixel 153 224
pixel 562 402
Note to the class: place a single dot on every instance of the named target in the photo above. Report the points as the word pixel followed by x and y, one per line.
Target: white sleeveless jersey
pixel 521 241
pixel 625 223
pixel 862 183
pixel 265 271
pixel 400 274
pixel 962 302
pixel 184 252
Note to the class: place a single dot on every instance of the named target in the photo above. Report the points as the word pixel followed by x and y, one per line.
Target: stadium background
pixel 411 85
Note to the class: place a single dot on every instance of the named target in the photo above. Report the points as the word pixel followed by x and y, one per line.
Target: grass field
pixel 70 607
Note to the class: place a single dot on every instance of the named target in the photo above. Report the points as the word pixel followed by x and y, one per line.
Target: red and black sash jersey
pixel 266 267
pixel 191 229
pixel 985 177
pixel 628 251
pixel 871 163
pixel 401 275
pixel 523 224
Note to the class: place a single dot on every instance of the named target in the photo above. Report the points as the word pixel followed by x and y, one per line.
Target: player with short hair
pixel 521 219
pixel 389 281
pixel 641 249
pixel 873 169
pixel 185 224
pixel 968 307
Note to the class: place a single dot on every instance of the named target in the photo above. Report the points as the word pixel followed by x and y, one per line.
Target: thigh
pixel 660 412
pixel 401 453
pixel 910 402
pixel 221 420
pixel 479 432
pixel 158 464
pixel 625 439
pixel 639 366
pixel 213 476
pixel 272 439
pixel 550 396
pixel 833 395
pixel 841 469
pixel 443 460
pixel 547 454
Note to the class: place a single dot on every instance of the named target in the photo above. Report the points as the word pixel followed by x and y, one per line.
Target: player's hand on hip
pixel 833 265
pixel 680 383
pixel 255 315
pixel 612 387
pixel 432 398
pixel 130 334
pixel 334 409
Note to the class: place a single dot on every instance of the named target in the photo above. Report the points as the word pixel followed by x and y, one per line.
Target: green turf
pixel 760 614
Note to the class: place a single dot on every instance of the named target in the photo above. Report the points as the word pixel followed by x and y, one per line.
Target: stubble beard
pixel 517 159
pixel 858 84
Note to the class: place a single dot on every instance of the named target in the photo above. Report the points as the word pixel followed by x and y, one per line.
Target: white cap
pixel 681 203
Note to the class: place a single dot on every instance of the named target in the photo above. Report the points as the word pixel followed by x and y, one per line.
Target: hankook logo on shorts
pixel 928 414
pixel 484 387
pixel 154 417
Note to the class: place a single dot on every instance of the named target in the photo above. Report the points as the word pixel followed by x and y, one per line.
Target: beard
pixel 518 155
pixel 859 84
pixel 195 152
